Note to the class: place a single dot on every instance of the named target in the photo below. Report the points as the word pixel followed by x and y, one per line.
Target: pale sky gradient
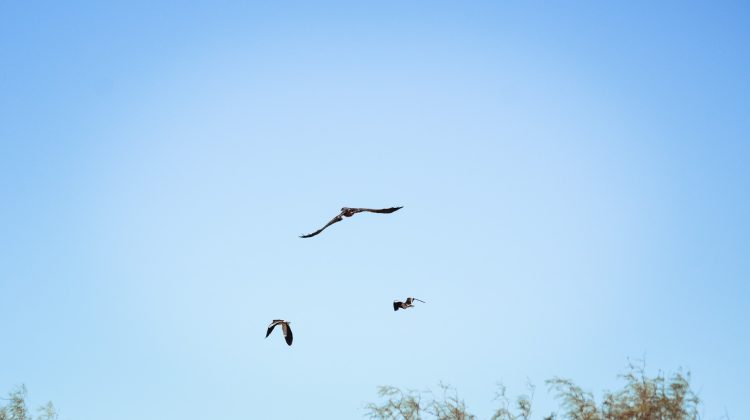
pixel 575 179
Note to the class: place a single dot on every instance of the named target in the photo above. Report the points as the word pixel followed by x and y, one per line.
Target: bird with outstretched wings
pixel 397 304
pixel 349 212
pixel 285 329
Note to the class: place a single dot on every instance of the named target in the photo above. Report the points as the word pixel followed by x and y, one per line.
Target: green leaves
pixel 660 397
pixel 16 408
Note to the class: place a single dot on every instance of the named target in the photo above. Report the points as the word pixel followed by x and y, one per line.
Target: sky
pixel 574 179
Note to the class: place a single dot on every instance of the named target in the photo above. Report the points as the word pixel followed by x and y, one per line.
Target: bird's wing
pixel 388 210
pixel 396 305
pixel 272 326
pixel 287 330
pixel 334 220
pixel 409 300
pixel 419 300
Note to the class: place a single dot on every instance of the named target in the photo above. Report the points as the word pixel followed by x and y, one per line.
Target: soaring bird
pixel 284 329
pixel 397 304
pixel 349 212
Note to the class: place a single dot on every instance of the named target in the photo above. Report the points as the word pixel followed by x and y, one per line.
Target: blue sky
pixel 574 177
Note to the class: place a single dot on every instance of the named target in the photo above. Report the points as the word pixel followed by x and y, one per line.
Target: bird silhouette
pixel 285 329
pixel 397 304
pixel 349 212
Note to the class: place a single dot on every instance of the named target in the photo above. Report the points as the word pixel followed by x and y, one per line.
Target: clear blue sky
pixel 575 179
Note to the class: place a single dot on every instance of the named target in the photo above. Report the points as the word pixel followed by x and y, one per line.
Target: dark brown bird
pixel 349 212
pixel 397 304
pixel 285 329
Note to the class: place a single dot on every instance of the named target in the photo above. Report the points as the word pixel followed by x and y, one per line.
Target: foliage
pixel 522 405
pixel 642 398
pixel 657 398
pixel 16 408
pixel 412 405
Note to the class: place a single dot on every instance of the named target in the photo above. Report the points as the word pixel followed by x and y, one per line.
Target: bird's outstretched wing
pixel 334 220
pixel 388 210
pixel 272 326
pixel 396 305
pixel 287 330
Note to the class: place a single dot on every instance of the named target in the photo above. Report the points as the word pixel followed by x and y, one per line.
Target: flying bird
pixel 349 212
pixel 284 329
pixel 397 304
